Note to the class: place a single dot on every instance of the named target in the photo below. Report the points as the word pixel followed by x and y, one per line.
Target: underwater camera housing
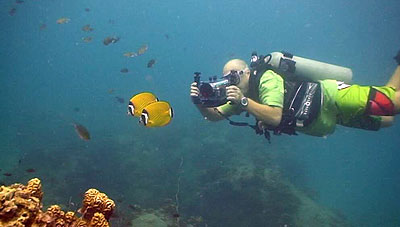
pixel 213 92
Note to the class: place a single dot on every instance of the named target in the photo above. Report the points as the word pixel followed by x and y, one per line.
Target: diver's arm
pixel 210 113
pixel 269 115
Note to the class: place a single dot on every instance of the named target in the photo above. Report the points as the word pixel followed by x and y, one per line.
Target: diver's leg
pixel 396 102
pixel 394 81
pixel 387 121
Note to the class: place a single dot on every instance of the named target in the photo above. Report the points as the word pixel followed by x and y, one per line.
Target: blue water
pixel 46 73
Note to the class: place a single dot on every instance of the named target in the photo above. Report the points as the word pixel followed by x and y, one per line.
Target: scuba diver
pixel 289 94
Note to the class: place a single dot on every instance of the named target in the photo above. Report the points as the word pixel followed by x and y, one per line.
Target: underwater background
pixel 51 77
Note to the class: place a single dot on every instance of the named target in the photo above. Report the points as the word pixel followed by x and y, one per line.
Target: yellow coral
pixel 20 206
pixel 35 188
pixel 60 222
pixel 55 211
pixel 96 201
pixel 98 220
pixel 70 217
pixel 81 223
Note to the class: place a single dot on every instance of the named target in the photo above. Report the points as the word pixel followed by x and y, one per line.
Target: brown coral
pixel 70 217
pixel 20 206
pixel 98 220
pixel 34 187
pixel 96 201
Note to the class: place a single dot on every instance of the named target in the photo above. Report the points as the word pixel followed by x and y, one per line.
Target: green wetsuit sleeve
pixel 271 89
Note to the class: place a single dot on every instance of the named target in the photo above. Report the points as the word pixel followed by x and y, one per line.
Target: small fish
pixel 110 39
pixel 156 114
pixel 30 170
pixel 110 91
pixel 130 54
pixel 63 20
pixel 176 215
pixel 87 39
pixel 139 101
pixel 42 27
pixel 120 100
pixel 19 161
pixel 7 174
pixel 124 70
pixel 19 1
pixel 12 11
pixel 151 63
pixel 0 169
pixel 87 28
pixel 82 132
pixel 76 109
pixel 166 36
pixel 87 9
pixel 142 49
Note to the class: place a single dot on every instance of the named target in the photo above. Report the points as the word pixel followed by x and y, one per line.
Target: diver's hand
pixel 194 93
pixel 397 58
pixel 194 90
pixel 234 94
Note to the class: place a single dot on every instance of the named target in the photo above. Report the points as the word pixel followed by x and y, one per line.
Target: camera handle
pixel 196 100
pixel 197 77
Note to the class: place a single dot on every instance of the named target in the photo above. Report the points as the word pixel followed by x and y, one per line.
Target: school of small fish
pixel 145 105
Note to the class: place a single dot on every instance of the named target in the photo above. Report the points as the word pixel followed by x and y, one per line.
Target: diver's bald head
pixel 234 64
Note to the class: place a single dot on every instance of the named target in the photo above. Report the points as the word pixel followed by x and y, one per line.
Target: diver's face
pixel 242 74
pixel 233 76
pixel 244 79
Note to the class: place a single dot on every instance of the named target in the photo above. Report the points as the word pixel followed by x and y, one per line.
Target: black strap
pixel 235 123
pixel 258 131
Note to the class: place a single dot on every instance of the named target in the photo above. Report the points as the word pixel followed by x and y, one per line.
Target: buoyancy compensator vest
pixel 303 95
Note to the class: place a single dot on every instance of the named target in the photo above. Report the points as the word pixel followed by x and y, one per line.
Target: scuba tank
pixel 303 69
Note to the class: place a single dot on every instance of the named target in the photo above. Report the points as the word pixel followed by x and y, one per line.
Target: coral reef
pixel 21 205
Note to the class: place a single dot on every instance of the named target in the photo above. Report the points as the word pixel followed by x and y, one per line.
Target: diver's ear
pixel 247 71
